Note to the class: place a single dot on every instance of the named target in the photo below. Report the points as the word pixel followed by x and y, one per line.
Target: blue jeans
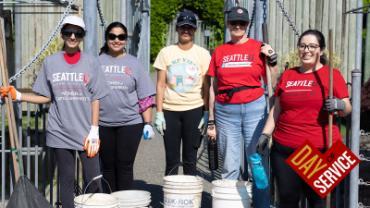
pixel 239 124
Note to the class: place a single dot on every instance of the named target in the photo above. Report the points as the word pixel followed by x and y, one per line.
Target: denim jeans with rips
pixel 239 124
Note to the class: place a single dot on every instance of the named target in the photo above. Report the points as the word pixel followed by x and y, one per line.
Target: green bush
pixel 291 59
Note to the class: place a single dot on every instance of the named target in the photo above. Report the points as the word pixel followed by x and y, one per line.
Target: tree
pixel 164 11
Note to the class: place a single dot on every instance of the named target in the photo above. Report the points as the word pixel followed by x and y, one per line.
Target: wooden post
pixel 14 144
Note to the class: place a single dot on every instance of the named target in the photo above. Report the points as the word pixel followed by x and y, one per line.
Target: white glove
pixel 148 132
pixel 92 142
pixel 160 123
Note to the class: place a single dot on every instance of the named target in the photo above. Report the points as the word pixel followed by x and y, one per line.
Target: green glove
pixel 159 122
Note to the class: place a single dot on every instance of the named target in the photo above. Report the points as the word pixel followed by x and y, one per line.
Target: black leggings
pixel 290 186
pixel 118 150
pixel 65 159
pixel 182 125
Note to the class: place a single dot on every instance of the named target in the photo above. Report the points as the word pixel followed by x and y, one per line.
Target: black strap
pixel 230 92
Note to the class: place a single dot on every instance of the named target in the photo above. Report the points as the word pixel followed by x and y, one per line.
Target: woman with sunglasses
pixel 300 114
pixel 125 114
pixel 237 108
pixel 73 85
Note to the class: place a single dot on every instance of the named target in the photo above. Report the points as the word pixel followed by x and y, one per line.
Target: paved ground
pixel 150 164
pixel 149 171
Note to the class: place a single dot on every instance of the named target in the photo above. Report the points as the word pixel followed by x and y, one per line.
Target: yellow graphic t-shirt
pixel 185 74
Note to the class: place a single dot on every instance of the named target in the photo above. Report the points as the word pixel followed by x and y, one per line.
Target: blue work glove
pixel 160 123
pixel 203 123
pixel 148 132
pixel 334 104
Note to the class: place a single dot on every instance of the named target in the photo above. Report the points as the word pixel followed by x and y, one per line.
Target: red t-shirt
pixel 235 66
pixel 302 98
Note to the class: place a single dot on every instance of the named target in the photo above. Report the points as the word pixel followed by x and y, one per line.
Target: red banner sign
pixel 323 172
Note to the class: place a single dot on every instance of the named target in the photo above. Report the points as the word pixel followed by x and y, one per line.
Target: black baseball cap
pixel 187 18
pixel 238 14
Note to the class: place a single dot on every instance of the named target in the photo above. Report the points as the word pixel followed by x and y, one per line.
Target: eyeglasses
pixel 240 23
pixel 310 47
pixel 68 33
pixel 120 37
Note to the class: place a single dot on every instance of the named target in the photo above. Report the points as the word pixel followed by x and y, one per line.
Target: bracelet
pixel 267 135
pixel 148 123
pixel 211 122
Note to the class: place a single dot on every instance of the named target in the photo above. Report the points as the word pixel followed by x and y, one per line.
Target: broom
pixel 13 135
pixel 25 194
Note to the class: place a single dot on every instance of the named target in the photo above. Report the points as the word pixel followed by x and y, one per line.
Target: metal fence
pixel 364 179
pixel 38 160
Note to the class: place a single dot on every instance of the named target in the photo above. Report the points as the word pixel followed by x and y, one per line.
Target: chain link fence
pixel 53 35
pixel 364 179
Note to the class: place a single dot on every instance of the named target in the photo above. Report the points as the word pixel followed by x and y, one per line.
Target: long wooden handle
pixel 14 146
pixel 268 68
pixel 330 127
pixel 330 133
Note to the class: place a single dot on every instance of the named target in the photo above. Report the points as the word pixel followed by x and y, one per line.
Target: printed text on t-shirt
pixel 117 69
pixel 237 60
pixel 65 76
pixel 299 83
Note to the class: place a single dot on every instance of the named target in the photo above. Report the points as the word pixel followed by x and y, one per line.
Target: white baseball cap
pixel 74 20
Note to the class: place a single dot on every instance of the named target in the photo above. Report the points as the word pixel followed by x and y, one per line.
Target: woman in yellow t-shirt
pixel 181 99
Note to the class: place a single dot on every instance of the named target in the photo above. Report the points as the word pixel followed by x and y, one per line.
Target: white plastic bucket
pixel 132 198
pixel 182 191
pixel 230 193
pixel 97 200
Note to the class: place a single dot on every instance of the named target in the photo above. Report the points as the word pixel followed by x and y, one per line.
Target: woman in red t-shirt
pixel 300 114
pixel 238 101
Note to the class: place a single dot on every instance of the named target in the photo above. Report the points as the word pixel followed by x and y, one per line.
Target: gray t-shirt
pixel 72 88
pixel 129 82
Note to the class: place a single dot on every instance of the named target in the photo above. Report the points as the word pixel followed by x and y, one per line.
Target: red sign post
pixel 323 172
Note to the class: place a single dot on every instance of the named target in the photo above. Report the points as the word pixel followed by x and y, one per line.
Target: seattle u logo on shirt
pixel 237 60
pixel 299 83
pixel 116 69
pixel 70 77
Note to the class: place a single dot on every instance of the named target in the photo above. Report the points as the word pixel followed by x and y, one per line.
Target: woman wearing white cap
pixel 72 83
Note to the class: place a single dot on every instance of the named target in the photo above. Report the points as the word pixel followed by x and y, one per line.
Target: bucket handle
pixel 97 178
pixel 176 166
pixel 92 180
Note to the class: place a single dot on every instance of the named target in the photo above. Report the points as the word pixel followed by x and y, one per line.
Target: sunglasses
pixel 69 32
pixel 241 23
pixel 120 37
